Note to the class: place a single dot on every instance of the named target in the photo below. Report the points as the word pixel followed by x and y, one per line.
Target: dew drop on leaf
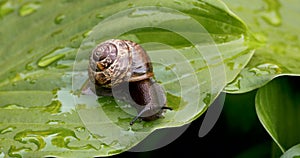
pixel 5 8
pixel 80 129
pixel 54 107
pixel 32 81
pixel 99 16
pixel 29 66
pixel 130 5
pixel 207 99
pixel 265 69
pixel 178 2
pixel 55 122
pixel 56 32
pixel 29 8
pixel 272 15
pixel 235 85
pixel 53 56
pixel 16 152
pixel 59 18
pixel 13 106
pixel 234 66
pixel 7 129
pixel 87 33
pixel 75 41
pixel 170 67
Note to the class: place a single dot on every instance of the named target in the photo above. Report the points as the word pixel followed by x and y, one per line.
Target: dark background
pixel 237 133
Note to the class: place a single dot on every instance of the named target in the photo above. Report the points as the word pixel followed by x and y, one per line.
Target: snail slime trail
pixel 125 67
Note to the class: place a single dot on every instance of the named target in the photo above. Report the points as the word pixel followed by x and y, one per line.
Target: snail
pixel 123 69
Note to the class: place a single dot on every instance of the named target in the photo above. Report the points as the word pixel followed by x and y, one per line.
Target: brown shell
pixel 115 61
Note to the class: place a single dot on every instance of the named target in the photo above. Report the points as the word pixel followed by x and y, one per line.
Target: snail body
pixel 124 68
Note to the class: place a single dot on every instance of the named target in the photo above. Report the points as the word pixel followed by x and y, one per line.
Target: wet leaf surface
pixel 196 47
pixel 274 25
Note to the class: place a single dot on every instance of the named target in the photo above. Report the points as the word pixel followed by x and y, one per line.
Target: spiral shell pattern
pixel 115 61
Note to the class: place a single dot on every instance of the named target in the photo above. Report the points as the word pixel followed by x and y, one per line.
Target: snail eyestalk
pixel 138 116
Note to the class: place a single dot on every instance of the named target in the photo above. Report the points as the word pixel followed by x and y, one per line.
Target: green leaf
pixel 196 47
pixel 293 152
pixel 278 109
pixel 274 25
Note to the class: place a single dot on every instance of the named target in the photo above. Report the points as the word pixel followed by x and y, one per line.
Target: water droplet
pixel 261 37
pixel 141 13
pixel 5 8
pixel 16 152
pixel 59 137
pixel 170 67
pixel 272 14
pixel 234 65
pixel 29 66
pixel 59 18
pixel 178 2
pixel 53 56
pixel 207 99
pixel 16 78
pixel 54 107
pixel 30 80
pixel 75 41
pixel 55 122
pixel 56 33
pixel 265 69
pixel 80 129
pixel 66 100
pixel 87 33
pixel 125 106
pixel 272 17
pixel 131 5
pixel 235 85
pixel 99 16
pixel 192 62
pixel 7 129
pixel 29 8
pixel 128 133
pixel 13 106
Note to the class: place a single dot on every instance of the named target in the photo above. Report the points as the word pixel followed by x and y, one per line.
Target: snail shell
pixel 115 61
pixel 124 66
